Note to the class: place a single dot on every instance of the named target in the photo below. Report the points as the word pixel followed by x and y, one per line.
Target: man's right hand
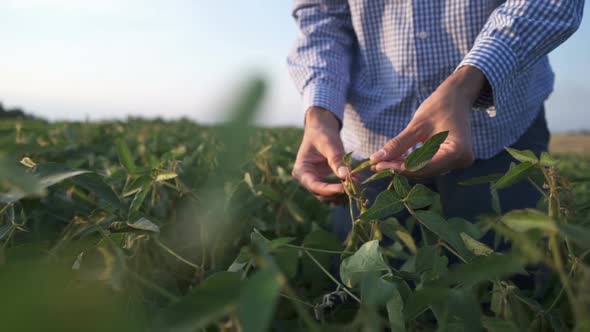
pixel 320 154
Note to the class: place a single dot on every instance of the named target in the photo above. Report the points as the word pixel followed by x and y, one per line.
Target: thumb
pixel 333 150
pixel 396 146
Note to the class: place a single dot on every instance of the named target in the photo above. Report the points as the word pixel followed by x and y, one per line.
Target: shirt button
pixel 491 112
pixel 422 34
pixel 424 89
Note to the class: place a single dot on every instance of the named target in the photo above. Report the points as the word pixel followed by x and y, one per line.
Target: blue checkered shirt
pixel 373 62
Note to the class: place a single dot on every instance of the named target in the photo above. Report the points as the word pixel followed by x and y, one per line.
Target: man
pixel 379 76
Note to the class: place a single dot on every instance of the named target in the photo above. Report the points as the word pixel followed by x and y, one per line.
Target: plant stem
pixel 539 189
pixel 561 290
pixel 171 297
pixel 132 273
pixel 557 258
pixel 332 277
pixel 307 318
pixel 446 246
pixel 554 204
pixel 177 256
pixel 554 245
pixel 294 299
pixel 318 250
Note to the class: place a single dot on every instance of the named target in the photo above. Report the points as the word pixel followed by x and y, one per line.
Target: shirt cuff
pixel 327 96
pixel 497 61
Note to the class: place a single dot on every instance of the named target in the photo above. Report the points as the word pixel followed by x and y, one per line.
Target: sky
pixel 105 59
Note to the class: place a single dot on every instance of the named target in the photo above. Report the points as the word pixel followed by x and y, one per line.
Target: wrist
pixel 468 81
pixel 317 117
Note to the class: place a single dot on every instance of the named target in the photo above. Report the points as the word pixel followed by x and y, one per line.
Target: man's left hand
pixel 448 108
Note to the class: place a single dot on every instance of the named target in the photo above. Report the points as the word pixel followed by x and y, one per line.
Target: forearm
pixel 517 35
pixel 321 119
pixel 468 81
pixel 320 61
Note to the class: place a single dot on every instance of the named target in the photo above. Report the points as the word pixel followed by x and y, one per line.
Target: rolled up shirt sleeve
pixel 320 61
pixel 516 35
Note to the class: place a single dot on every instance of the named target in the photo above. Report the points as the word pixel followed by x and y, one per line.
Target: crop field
pixel 148 225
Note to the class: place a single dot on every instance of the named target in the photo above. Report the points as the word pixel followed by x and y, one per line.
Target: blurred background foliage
pixel 108 226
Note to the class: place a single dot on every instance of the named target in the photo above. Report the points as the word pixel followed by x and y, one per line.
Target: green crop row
pixel 172 226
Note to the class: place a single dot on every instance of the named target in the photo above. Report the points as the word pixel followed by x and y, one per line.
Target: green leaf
pixel 461 225
pixel 422 155
pixel 20 182
pixel 95 184
pixel 347 159
pixel 577 234
pixel 165 175
pixel 523 156
pixel 440 227
pixel 482 179
pixel 374 290
pixel 5 230
pixel 269 193
pixel 528 219
pixel 287 259
pixel 429 260
pixel 241 261
pixel 420 197
pixel 295 211
pixel 386 204
pixel 395 312
pixel 367 259
pixel 379 175
pixel 320 239
pixel 125 156
pixel 392 229
pixel 11 197
pixel 258 239
pixel 484 268
pixel 515 174
pixel 401 185
pixel 209 302
pixel 476 247
pixel 258 299
pixel 52 173
pixel 493 324
pixel 463 304
pixel 279 242
pixel 419 301
pixel 144 224
pixel 136 185
pixel 547 160
pixel 139 198
pixel 523 242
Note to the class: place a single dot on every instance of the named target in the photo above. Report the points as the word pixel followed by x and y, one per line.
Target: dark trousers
pixel 469 202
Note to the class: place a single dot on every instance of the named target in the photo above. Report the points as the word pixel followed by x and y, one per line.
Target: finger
pixel 313 183
pixel 396 165
pixel 396 146
pixel 330 146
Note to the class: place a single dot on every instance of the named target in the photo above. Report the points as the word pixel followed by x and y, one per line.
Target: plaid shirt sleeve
pixel 516 36
pixel 320 61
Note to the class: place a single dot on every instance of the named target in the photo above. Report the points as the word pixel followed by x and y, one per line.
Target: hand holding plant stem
pixel 447 109
pixel 320 154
